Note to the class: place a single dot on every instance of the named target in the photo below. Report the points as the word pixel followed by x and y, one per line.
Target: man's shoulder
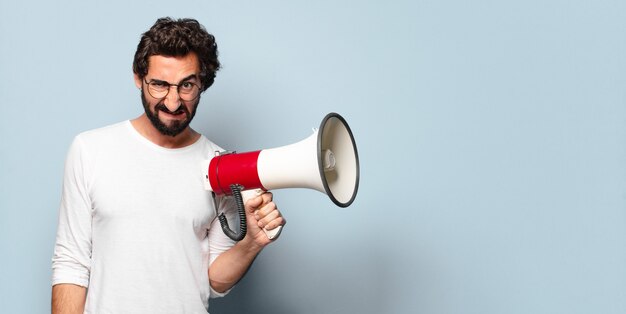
pixel 102 138
pixel 105 132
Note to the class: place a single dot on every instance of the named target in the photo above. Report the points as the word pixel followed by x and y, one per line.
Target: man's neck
pixel 143 125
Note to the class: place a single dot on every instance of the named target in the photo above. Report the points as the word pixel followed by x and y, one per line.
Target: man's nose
pixel 172 100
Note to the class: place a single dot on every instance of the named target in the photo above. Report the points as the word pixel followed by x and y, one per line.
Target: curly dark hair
pixel 177 38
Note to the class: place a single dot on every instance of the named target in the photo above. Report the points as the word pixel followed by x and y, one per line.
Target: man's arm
pixel 68 299
pixel 232 265
pixel 71 261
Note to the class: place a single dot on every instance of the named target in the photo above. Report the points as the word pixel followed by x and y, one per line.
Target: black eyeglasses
pixel 187 91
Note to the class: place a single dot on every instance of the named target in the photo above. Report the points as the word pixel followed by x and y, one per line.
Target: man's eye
pixel 159 85
pixel 187 85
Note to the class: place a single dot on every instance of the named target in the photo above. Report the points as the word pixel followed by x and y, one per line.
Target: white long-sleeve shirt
pixel 136 226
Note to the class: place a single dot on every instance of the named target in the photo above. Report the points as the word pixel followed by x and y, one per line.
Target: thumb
pixel 253 203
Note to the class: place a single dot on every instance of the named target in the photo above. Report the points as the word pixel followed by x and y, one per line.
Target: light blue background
pixel 491 137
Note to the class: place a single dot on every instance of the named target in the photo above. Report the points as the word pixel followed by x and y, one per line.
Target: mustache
pixel 180 109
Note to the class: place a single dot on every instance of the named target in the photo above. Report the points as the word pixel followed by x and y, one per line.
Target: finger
pixel 263 221
pixel 267 197
pixel 258 202
pixel 275 223
pixel 266 209
pixel 254 203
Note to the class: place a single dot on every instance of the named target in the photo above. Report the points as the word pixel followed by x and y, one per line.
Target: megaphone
pixel 326 161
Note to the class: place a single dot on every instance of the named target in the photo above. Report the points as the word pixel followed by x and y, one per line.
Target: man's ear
pixel 137 80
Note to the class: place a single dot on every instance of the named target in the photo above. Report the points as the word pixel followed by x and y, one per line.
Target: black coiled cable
pixel 241 211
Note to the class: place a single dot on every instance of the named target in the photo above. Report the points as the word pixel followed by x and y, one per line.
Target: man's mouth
pixel 177 112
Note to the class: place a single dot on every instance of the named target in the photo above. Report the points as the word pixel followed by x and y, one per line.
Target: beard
pixel 176 127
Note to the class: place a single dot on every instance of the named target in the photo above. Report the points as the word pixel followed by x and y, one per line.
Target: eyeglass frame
pixel 169 87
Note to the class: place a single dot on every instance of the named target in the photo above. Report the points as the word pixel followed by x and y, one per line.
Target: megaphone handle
pixel 249 194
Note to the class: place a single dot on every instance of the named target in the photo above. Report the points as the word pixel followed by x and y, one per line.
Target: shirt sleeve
pixel 71 261
pixel 218 241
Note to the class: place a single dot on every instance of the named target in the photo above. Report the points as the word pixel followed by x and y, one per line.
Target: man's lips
pixel 175 113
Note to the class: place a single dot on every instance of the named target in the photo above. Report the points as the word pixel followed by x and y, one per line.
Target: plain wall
pixel 491 137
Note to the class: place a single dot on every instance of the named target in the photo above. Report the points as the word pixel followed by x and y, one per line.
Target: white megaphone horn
pixel 326 161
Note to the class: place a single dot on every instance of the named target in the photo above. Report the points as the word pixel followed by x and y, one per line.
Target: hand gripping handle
pixel 250 194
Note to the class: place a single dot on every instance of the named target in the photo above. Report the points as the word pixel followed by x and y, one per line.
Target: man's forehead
pixel 178 66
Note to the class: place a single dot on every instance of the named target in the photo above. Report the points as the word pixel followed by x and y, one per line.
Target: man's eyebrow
pixel 158 81
pixel 192 76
